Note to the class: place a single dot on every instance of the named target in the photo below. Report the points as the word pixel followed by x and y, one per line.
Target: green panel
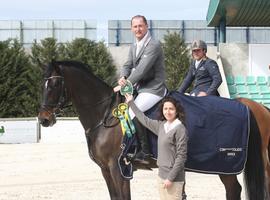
pixel 251 80
pixel 266 96
pixel 230 80
pixel 252 89
pixel 213 11
pixel 239 12
pixel 233 96
pixel 256 96
pixel 239 80
pixel 232 89
pixel 241 89
pixel 261 80
pixel 264 89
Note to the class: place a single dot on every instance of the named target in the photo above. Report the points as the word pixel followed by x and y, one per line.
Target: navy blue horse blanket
pixel 218 131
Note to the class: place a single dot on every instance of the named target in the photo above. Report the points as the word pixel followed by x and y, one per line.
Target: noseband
pixel 58 106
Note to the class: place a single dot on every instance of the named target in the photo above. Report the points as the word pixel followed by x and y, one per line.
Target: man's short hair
pixel 139 16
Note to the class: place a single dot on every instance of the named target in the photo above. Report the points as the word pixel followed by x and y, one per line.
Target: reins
pixel 106 114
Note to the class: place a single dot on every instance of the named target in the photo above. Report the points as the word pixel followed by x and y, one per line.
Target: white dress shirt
pixel 169 126
pixel 197 62
pixel 139 44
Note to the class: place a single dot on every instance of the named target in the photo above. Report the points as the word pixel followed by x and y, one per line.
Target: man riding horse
pixel 145 70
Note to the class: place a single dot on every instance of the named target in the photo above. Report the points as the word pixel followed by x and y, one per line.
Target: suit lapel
pixel 200 65
pixel 134 51
pixel 142 49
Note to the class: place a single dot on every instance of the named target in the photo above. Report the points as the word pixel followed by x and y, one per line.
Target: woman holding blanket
pixel 172 145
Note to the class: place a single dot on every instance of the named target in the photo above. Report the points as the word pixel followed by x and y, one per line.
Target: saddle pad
pixel 218 131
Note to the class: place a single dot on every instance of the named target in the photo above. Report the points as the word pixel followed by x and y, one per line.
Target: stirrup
pixel 142 157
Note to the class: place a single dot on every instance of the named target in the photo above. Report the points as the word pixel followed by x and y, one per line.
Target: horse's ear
pixel 56 66
pixel 41 65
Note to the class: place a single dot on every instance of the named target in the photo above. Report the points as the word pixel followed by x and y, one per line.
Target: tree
pixel 177 59
pixel 95 55
pixel 18 82
pixel 46 51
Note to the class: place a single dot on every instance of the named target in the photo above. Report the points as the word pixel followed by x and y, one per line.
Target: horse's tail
pixel 254 169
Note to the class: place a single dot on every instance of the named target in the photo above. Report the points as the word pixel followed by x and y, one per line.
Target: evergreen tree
pixel 95 55
pixel 177 59
pixel 18 82
pixel 46 51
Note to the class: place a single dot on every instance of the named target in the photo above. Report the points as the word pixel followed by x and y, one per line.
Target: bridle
pixel 60 105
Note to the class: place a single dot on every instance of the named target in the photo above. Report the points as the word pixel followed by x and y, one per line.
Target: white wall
pixel 28 130
pixel 237 58
pixel 259 59
pixel 20 130
pixel 66 130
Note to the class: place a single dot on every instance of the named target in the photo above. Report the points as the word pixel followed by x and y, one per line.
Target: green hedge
pixel 21 74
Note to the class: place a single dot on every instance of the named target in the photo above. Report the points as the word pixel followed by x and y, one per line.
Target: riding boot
pixel 144 152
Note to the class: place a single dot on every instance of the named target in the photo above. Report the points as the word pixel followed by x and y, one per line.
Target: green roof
pixel 239 12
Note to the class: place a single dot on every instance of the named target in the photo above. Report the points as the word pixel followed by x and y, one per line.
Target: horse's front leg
pixel 232 187
pixel 122 186
pixel 110 183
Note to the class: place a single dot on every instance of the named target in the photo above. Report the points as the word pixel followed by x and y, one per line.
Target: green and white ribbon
pixel 127 126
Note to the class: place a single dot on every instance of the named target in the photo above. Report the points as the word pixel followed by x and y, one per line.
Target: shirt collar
pixel 169 126
pixel 142 41
pixel 197 63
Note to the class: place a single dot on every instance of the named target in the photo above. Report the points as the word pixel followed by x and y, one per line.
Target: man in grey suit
pixel 145 70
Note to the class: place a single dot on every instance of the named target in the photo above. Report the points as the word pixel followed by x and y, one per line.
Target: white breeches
pixel 144 101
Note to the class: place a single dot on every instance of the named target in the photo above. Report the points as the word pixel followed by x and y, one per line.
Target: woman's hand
pixel 129 97
pixel 167 183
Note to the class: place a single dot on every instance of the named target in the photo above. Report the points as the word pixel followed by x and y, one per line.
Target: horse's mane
pixel 78 65
pixel 71 63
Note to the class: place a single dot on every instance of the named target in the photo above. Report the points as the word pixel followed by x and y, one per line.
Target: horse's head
pixel 54 95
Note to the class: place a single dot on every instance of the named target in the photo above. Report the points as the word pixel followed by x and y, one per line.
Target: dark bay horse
pixel 93 99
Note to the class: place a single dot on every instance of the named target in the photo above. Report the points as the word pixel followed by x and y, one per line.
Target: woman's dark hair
pixel 180 113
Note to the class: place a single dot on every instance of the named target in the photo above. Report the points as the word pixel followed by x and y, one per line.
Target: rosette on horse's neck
pixel 121 112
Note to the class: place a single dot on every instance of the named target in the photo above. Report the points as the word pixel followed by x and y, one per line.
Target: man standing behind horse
pixel 145 70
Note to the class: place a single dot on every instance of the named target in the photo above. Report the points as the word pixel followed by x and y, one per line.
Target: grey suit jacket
pixel 146 70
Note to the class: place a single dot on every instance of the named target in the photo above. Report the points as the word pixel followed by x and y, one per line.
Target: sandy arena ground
pixel 58 168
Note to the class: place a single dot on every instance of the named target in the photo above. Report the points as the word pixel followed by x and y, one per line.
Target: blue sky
pixel 103 10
